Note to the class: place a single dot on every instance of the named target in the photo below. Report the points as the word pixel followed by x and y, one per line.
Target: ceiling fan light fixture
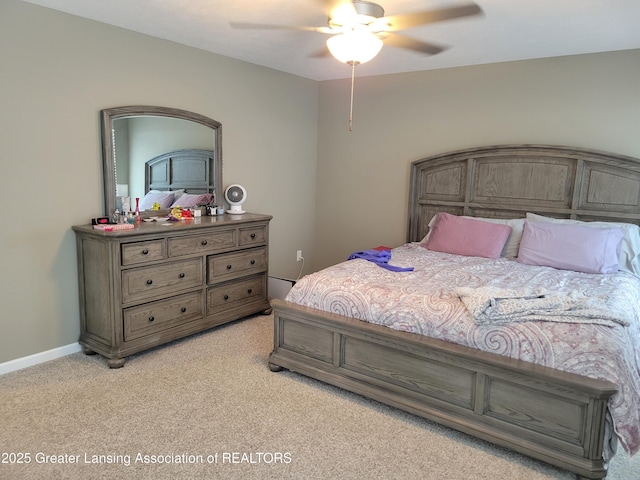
pixel 355 13
pixel 354 46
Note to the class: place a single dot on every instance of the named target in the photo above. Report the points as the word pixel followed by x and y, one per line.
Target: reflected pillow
pixel 570 247
pixel 466 236
pixel 629 257
pixel 189 200
pixel 165 199
pixel 177 193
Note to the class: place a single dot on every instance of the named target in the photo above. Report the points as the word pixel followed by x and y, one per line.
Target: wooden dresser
pixel 156 283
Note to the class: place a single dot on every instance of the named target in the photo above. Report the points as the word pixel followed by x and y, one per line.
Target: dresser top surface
pixel 164 227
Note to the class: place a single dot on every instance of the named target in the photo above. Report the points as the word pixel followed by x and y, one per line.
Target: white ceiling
pixel 508 30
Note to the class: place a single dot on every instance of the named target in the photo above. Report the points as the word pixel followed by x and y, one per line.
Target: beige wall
pixel 58 72
pixel 285 138
pixel 590 101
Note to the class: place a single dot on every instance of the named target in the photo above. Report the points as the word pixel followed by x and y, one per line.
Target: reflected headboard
pixel 189 169
pixel 507 181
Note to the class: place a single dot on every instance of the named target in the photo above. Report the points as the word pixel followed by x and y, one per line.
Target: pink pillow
pixel 188 200
pixel 570 247
pixel 466 236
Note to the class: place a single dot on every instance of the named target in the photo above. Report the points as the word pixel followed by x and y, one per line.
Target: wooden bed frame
pixel 547 414
pixel 190 169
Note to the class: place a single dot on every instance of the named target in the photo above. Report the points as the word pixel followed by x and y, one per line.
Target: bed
pixel 183 177
pixel 526 386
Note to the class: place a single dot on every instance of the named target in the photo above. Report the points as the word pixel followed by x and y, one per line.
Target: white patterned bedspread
pixel 424 302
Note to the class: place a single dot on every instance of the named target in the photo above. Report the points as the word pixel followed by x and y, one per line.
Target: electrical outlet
pixel 299 256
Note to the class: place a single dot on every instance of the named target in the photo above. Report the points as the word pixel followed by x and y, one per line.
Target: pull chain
pixel 353 79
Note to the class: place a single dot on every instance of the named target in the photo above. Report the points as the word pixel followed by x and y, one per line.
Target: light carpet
pixel 208 407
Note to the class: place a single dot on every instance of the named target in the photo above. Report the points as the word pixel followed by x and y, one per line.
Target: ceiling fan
pixel 358 28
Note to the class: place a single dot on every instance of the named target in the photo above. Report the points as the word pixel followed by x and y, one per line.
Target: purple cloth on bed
pixel 379 257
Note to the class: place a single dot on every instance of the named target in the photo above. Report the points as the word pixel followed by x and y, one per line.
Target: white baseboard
pixel 36 358
pixel 278 288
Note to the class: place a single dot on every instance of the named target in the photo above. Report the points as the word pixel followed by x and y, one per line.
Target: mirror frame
pixel 107 116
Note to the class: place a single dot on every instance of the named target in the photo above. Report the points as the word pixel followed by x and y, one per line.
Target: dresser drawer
pixel 141 252
pixel 146 282
pixel 203 243
pixel 233 265
pixel 252 236
pixel 154 317
pixel 234 294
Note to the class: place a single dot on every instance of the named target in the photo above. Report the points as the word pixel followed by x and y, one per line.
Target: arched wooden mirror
pixel 158 149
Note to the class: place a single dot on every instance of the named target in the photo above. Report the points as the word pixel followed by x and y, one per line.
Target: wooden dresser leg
pixel 275 368
pixel 116 362
pixel 580 477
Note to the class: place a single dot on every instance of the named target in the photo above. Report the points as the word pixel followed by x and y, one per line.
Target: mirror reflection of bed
pixel 134 136
pixel 552 389
pixel 182 178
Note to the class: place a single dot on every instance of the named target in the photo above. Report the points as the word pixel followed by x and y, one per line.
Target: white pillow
pixel 512 246
pixel 164 199
pixel 629 259
pixel 177 193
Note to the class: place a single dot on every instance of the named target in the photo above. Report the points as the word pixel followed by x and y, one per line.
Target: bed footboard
pixel 550 415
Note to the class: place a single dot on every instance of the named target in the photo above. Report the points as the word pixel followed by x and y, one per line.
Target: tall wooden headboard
pixel 190 169
pixel 507 181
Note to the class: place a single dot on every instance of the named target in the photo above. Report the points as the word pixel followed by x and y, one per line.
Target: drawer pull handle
pixel 226 297
pixel 145 252
pixel 149 282
pixel 253 235
pixel 253 262
pixel 151 318
pixel 203 243
pixel 183 309
pixel 228 267
pixel 249 291
pixel 181 275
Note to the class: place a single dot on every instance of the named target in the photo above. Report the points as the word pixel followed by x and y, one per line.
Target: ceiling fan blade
pixel 401 41
pixel 408 20
pixel 264 26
